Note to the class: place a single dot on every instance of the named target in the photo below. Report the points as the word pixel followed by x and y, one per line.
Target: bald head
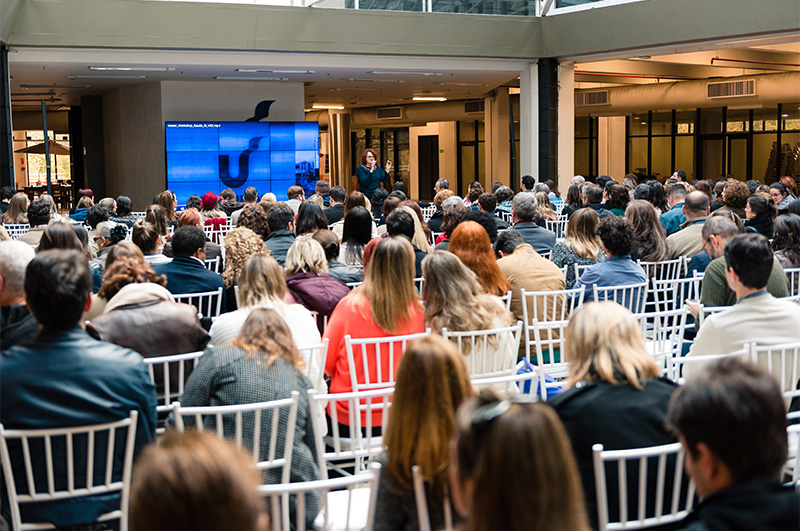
pixel 695 205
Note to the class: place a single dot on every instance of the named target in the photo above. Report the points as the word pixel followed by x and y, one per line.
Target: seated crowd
pixel 86 296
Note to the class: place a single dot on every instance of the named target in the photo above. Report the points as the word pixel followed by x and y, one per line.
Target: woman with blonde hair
pixel 649 237
pixel 308 280
pixel 545 211
pixel 386 304
pixel 431 372
pixel 470 243
pixel 513 467
pixel 17 210
pixel 581 245
pixel 262 364
pixel 613 378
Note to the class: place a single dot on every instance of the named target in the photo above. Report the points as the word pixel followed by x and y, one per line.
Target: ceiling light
pixel 357 88
pixel 327 106
pixel 428 98
pixel 245 78
pixel 513 90
pixel 459 84
pixel 131 68
pixel 401 73
pixel 372 80
pixel 26 87
pixel 107 77
pixel 785 115
pixel 262 71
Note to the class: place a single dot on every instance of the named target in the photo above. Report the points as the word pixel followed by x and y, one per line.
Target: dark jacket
pixel 319 293
pixel 67 378
pixel 619 417
pixel 435 223
pixel 213 250
pixel 278 243
pixel 756 504
pixel 419 256
pixel 499 222
pixel 17 325
pixel 229 207
pixel 334 213
pixel 600 209
pixel 542 240
pixel 762 225
pixel 185 274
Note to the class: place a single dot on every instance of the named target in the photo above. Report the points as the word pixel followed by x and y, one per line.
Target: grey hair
pixel 452 201
pixel 14 259
pixel 525 205
pixel 541 187
pixel 47 198
pixel 306 255
pixel 443 184
pixel 578 179
pixel 104 229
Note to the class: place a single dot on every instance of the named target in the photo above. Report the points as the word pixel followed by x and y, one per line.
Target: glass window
pixel 582 126
pixel 738 121
pixel 582 156
pixel 790 117
pixel 481 131
pixel 684 154
pixel 637 155
pixel 359 143
pixel 711 120
pixel 467 165
pixel 684 122
pixel 764 145
pixel 661 156
pixel 466 131
pixel 765 119
pixel 638 124
pixel 403 154
pixel 662 123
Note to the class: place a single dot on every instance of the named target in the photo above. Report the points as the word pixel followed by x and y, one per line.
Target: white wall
pixel 447 153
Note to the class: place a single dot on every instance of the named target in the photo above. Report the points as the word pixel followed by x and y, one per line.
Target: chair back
pixel 671 294
pixel 15 230
pixel 580 268
pixel 631 296
pixel 427 212
pixel 348 502
pixel 488 353
pixel 664 334
pixel 420 497
pixel 62 463
pixel 688 366
pixel 665 269
pixel 314 357
pixel 517 384
pixel 418 283
pixel 559 227
pixel 507 300
pixel 793 275
pixel 555 305
pixel 264 417
pixel 214 264
pixel 783 362
pixel 373 361
pixel 208 303
pixel 169 375
pixel 652 488
pixel 550 358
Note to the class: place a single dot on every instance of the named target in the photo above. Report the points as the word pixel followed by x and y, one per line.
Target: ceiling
pixel 62 75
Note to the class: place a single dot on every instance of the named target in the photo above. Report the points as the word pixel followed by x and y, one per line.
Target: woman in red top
pixel 385 305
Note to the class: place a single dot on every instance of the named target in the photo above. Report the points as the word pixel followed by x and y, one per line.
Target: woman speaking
pixel 370 175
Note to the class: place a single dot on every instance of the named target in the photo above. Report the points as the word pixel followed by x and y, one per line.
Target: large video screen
pixel 212 156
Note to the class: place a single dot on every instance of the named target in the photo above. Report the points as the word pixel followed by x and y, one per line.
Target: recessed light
pixel 459 84
pixel 245 78
pixel 785 115
pixel 327 106
pixel 26 87
pixel 428 98
pixel 263 71
pixel 107 77
pixel 401 73
pixel 513 90
pixel 131 69
pixel 372 80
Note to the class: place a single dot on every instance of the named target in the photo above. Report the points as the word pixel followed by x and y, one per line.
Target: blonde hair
pixel 240 244
pixel 266 335
pixel 603 341
pixel 545 208
pixel 317 200
pixel 419 239
pixel 582 233
pixel 261 281
pixel 454 298
pixel 431 371
pixel 306 255
pixel 389 284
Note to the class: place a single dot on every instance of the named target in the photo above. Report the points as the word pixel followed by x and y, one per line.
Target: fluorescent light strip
pixel 131 68
pixel 459 84
pixel 107 77
pixel 373 80
pixel 327 106
pixel 26 87
pixel 398 73
pixel 245 78
pixel 262 71
pixel 428 98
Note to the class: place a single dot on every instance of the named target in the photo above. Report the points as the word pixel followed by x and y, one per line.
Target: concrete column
pixel 611 146
pixel 566 126
pixel 6 140
pixel 339 149
pixel 498 149
pixel 528 122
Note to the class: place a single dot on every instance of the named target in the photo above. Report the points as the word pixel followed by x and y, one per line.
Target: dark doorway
pixel 428 165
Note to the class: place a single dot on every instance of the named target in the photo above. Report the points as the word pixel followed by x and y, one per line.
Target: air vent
pixel 475 106
pixel 390 113
pixel 599 97
pixel 732 89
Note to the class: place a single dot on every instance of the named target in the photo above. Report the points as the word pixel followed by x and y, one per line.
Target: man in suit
pixel 187 272
pixel 523 209
pixel 335 212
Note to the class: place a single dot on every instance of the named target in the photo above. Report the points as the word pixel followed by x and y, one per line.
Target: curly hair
pixel 255 219
pixel 241 243
pixel 265 334
pixel 453 215
pixel 471 244
pixel 128 270
pixel 736 194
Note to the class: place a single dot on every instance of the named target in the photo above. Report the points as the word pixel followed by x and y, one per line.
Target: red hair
pixel 364 155
pixel 190 216
pixel 470 243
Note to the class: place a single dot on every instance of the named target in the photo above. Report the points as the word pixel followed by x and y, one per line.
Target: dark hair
pixel 787 237
pixel 279 217
pixel 618 197
pixel 504 193
pixel 357 230
pixel 124 205
pixel 377 200
pixel 657 196
pixel 603 180
pixel 7 192
pixel 399 194
pixel 794 207
pixel 400 223
pixel 780 187
pixel 507 241
pixel 228 194
pixel 681 175
pixel 60 236
pixel 254 219
pixel 250 194
pixel 487 221
pixel 187 240
pixel 488 202
pixel 736 410
pixel 338 194
pixel 574 196
pixel 389 205
pixel 528 182
pixel 641 191
pixel 703 186
pixel 593 193
pixel 354 199
pixel 400 186
pixel 677 190
pixel 57 285
pixel 310 218
pixel 145 236
pixel 752 185
pixel 39 213
pixel 452 216
pixel 96 215
pixel 195 202
pixel 616 233
pixel 762 205
pixel 329 242
pixel 444 184
pixel 750 257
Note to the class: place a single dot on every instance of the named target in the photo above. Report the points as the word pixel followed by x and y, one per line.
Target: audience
pixel 356 234
pixel 759 213
pixel 649 238
pixel 6 193
pixel 731 422
pixel 146 238
pixel 335 211
pixel 38 218
pixel 717 230
pixel 280 220
pixel 581 245
pixel 124 207
pixel 17 210
pixel 523 211
pixel 687 241
pixel 400 223
pixel 191 217
pixel 786 243
pixel 240 244
pixel 573 201
pixel 435 223
pixel 592 197
pixel 734 196
pixel 615 396
pixel 472 246
pixel 618 199
pixel 310 219
pixel 250 201
pixel 210 209
pixel 488 203
pixel 337 269
pixel 657 196
pixel 17 324
pixel 674 218
pixel 431 372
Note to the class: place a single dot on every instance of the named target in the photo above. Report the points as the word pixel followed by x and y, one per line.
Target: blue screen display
pixel 211 156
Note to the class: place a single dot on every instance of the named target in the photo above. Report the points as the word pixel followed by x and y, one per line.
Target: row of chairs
pixel 15 230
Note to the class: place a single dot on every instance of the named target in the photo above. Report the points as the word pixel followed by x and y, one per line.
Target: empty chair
pixel 56 464
pixel 650 483
pixel 208 303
